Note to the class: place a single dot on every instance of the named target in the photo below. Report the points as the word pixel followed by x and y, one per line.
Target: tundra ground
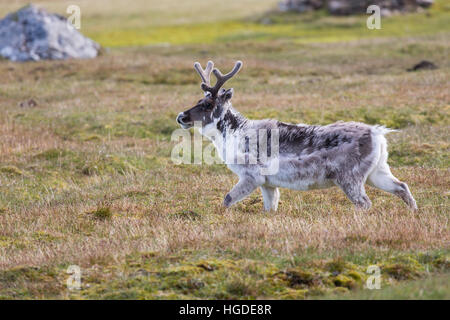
pixel 86 176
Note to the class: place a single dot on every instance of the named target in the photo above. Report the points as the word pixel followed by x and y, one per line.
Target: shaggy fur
pixel 343 154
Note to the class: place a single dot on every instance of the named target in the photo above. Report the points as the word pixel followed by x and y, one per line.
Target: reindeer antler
pixel 205 74
pixel 221 79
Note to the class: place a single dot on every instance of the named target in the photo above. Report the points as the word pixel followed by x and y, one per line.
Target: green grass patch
pixel 428 288
pixel 11 171
pixel 305 28
pixel 154 276
pixel 101 213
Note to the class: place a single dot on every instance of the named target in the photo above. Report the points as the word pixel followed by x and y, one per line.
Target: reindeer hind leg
pixel 383 179
pixel 356 192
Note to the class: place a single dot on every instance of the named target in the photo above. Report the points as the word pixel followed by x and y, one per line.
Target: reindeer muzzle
pixel 183 120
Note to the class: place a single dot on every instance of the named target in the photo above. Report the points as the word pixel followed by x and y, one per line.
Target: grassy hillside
pixel 86 176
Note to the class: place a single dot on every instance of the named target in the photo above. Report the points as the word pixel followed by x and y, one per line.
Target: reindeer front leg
pixel 271 197
pixel 242 189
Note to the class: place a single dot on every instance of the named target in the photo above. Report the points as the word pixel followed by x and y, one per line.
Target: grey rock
pixel 32 33
pixel 301 5
pixel 423 65
pixel 339 7
pixel 350 7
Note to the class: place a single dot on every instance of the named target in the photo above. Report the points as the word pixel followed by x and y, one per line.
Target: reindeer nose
pixel 182 118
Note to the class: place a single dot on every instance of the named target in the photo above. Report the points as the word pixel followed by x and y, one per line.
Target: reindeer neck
pixel 230 120
pixel 229 126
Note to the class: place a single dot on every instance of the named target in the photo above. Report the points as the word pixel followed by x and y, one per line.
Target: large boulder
pixel 301 5
pixel 34 34
pixel 349 7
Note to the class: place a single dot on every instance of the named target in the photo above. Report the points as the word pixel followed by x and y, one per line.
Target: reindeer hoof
pixel 227 201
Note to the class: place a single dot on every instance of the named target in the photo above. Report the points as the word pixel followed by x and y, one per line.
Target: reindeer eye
pixel 208 106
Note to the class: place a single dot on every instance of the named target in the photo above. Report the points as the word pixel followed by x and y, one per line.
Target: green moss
pixel 401 272
pixel 11 275
pixel 438 261
pixel 187 214
pixel 53 154
pixel 101 213
pixel 238 287
pixel 183 270
pixel 12 242
pixel 106 164
pixel 344 281
pixel 355 275
pixel 336 266
pixel 297 277
pixel 44 236
pixel 190 284
pixel 214 264
pixel 34 283
pixel 408 153
pixel 339 290
pixel 5 241
pixel 434 287
pixel 91 137
pixel 12 170
pixel 155 276
pixel 442 263
pixel 293 294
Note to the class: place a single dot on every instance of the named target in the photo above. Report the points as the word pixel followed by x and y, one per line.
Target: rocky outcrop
pixel 301 5
pixel 34 34
pixel 349 7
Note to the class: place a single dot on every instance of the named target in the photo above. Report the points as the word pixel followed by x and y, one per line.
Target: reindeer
pixel 343 154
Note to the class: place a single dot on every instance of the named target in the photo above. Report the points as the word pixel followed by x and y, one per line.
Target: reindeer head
pixel 212 105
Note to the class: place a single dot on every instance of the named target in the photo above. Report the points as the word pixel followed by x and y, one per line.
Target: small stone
pixel 423 65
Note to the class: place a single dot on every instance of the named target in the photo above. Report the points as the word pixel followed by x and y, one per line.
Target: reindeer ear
pixel 227 94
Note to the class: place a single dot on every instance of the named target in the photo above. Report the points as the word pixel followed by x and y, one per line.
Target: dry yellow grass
pixel 86 176
pixel 322 220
